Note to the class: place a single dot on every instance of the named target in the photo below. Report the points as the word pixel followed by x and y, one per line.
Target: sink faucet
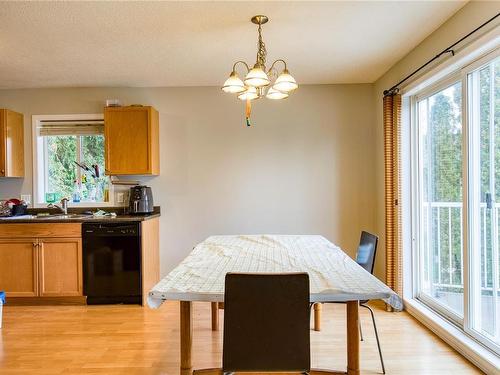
pixel 63 207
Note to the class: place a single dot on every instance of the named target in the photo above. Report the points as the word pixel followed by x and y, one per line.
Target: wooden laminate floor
pixel 133 340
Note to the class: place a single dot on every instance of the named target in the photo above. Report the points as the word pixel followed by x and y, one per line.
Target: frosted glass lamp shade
pixel 249 94
pixel 256 77
pixel 285 82
pixel 233 84
pixel 274 94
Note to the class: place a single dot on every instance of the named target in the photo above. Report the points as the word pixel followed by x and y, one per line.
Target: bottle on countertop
pixel 76 193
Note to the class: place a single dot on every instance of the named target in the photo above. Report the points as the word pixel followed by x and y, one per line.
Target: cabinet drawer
pixel 40 230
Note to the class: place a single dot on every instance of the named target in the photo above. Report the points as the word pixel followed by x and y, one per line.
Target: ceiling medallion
pixel 258 81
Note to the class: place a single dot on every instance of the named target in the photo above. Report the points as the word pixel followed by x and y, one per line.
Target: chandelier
pixel 258 81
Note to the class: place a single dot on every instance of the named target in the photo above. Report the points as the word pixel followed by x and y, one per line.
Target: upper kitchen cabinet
pixel 131 140
pixel 11 144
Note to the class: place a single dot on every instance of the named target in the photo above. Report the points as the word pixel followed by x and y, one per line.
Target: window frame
pixel 40 151
pixel 468 198
pixel 460 73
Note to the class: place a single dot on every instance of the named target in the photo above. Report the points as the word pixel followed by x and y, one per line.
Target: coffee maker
pixel 141 200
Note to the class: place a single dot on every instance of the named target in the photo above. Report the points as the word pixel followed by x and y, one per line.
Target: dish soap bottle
pixel 76 192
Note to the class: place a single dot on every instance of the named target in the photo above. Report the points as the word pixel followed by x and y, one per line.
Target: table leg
pixel 215 316
pixel 317 316
pixel 352 338
pixel 186 336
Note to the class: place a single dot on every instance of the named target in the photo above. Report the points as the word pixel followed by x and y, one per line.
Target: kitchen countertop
pixel 77 217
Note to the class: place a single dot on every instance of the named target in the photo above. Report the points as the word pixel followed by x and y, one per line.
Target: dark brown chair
pixel 365 257
pixel 266 324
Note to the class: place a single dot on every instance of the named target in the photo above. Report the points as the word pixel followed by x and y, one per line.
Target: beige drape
pixel 392 145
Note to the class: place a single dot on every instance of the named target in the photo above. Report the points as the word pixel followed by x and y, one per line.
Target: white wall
pixel 307 165
pixel 464 21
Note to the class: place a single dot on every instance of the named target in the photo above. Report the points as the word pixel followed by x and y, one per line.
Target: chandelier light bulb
pixel 257 77
pixel 274 94
pixel 285 82
pixel 249 94
pixel 233 84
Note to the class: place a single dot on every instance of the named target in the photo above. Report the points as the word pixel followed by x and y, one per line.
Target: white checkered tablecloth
pixel 333 275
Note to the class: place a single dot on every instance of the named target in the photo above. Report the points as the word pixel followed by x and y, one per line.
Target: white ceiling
pixel 61 44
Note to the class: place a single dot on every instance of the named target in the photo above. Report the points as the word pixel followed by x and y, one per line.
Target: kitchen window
pixel 455 153
pixel 68 160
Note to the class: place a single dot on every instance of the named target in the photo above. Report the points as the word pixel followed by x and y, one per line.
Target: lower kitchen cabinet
pixel 60 267
pixel 40 260
pixel 42 263
pixel 18 267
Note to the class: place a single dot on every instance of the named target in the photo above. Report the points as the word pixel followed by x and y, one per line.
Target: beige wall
pixel 306 165
pixel 310 164
pixel 465 20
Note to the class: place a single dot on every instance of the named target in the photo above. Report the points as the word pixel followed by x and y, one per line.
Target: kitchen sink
pixel 63 216
pixel 47 217
pixel 20 217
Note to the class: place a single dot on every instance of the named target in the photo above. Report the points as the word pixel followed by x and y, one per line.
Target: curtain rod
pixel 394 89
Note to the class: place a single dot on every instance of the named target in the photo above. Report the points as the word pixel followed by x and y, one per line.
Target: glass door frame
pixel 470 189
pixel 417 195
pixel 468 193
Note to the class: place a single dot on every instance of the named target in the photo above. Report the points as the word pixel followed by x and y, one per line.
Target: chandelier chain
pixel 261 52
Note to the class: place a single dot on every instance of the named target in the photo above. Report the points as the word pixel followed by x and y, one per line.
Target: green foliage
pixel 93 150
pixel 61 156
pixel 490 153
pixel 445 133
pixel 442 176
pixel 442 168
pixel 497 128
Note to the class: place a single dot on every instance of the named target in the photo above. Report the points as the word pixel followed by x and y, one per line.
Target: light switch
pixel 120 197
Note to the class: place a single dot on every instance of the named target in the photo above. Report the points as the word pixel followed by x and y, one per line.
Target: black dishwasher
pixel 112 263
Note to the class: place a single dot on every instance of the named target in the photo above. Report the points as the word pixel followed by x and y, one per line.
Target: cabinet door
pixel 131 139
pixel 3 142
pixel 11 144
pixel 18 267
pixel 60 264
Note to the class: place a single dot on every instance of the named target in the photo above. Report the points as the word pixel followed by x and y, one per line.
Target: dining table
pixel 333 275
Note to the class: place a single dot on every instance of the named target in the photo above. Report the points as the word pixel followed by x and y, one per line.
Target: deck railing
pixel 442 244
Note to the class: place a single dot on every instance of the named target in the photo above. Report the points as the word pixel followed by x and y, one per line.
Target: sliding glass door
pixel 456 198
pixel 439 118
pixel 484 199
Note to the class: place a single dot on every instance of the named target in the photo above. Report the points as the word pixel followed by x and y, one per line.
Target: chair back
pixel 266 323
pixel 366 251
